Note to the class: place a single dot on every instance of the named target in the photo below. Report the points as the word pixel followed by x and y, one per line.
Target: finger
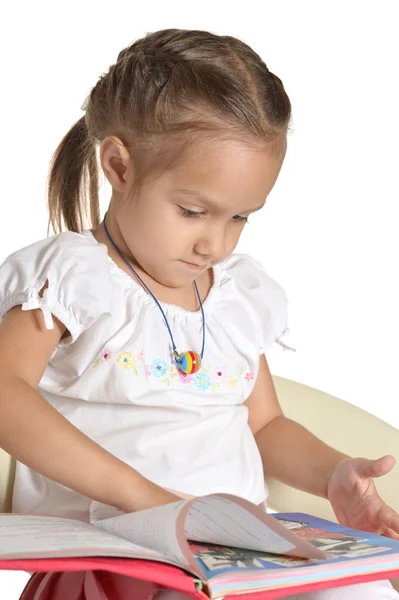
pixel 387 462
pixel 374 468
pixel 389 518
pixel 390 533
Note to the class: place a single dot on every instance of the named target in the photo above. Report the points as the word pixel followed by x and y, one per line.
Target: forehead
pixel 226 172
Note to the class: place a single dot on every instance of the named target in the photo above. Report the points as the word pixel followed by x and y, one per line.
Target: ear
pixel 116 162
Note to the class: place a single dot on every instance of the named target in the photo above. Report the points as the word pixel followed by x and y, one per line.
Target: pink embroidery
pixel 184 378
pixel 220 373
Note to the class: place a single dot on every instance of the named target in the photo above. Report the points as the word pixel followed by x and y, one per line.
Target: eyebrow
pixel 210 202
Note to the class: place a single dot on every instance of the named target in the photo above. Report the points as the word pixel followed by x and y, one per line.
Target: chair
pixel 345 427
pixel 7 474
pixel 338 423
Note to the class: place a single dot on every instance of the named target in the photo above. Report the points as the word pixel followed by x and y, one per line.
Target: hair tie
pixel 85 103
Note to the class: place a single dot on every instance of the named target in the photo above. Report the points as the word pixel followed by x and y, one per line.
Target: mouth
pixel 194 266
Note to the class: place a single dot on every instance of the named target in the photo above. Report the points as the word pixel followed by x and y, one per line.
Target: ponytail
pixel 73 182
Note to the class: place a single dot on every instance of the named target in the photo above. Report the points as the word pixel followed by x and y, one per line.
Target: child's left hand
pixel 355 500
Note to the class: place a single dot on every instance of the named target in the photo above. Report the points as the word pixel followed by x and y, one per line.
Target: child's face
pixel 191 216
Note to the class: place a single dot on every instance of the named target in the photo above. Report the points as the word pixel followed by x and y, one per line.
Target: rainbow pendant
pixel 188 362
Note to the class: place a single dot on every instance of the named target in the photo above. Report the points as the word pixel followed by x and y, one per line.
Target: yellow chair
pixel 338 423
pixel 7 473
pixel 343 426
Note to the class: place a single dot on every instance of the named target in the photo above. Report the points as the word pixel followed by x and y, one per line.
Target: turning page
pixel 161 529
pixel 230 521
pixel 216 519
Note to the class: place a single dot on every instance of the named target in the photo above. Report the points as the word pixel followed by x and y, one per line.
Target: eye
pixel 190 214
pixel 240 219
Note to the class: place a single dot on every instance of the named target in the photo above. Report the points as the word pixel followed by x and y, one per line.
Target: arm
pixel 289 452
pixel 293 455
pixel 36 434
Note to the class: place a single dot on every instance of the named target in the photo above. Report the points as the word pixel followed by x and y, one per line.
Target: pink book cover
pixel 159 574
pixel 113 578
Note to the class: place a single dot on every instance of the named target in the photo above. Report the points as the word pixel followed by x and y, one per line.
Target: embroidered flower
pixel 172 372
pixel 126 362
pixel 184 378
pixel 208 378
pixel 220 373
pixel 232 382
pixel 202 381
pixel 106 354
pixel 158 367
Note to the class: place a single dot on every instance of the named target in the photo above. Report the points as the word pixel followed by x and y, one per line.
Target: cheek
pixel 232 237
pixel 149 223
pixel 161 232
pixel 172 229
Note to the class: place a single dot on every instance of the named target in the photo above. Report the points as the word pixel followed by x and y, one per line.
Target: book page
pixel 154 528
pixel 34 536
pixel 228 521
pixel 350 553
pixel 338 541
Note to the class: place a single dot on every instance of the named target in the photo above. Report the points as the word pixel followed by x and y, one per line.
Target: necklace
pixel 188 362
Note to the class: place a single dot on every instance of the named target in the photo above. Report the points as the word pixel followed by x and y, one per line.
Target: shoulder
pixel 250 276
pixel 75 269
pixel 255 294
pixel 67 246
pixel 72 260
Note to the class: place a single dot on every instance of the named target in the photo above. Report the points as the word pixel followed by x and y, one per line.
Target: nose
pixel 212 243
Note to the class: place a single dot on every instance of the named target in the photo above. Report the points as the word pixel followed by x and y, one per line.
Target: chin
pixel 171 282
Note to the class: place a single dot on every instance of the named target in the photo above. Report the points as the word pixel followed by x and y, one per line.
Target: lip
pixel 194 266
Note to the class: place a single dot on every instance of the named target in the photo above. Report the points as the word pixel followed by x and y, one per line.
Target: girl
pixel 132 353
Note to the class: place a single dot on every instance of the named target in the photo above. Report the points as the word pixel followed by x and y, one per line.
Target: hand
pixel 355 500
pixel 151 495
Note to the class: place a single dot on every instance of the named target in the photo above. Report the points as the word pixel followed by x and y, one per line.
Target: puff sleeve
pixel 263 300
pixel 75 270
pixel 270 304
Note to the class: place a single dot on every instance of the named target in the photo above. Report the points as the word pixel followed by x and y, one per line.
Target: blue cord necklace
pixel 188 362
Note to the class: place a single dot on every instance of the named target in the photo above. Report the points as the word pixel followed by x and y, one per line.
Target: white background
pixel 329 231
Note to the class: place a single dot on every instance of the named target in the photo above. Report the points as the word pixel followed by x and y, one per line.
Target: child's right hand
pixel 152 495
pixel 36 434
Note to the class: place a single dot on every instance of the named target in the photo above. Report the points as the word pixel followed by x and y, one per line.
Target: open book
pixel 224 544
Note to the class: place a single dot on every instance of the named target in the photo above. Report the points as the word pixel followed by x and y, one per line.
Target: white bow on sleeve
pixel 35 301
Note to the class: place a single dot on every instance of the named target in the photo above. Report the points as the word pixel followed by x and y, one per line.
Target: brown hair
pixel 167 88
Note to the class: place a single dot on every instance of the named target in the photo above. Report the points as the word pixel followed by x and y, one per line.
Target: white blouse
pixel 115 379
